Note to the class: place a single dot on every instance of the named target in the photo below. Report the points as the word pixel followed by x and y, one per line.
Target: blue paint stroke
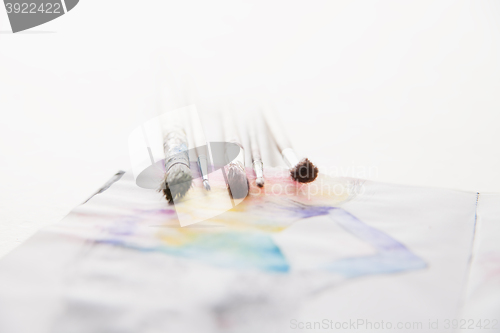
pixel 257 250
pixel 235 250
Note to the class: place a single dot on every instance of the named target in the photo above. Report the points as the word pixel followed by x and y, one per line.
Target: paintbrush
pixel 176 91
pixel 203 167
pixel 178 178
pixel 199 151
pixel 302 171
pixel 236 177
pixel 257 164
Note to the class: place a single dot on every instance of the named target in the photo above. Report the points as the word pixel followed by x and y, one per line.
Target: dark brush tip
pixel 168 194
pixel 177 183
pixel 304 172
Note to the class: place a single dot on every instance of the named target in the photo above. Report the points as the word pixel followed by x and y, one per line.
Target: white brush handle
pixel 277 130
pixel 279 134
pixel 203 166
pixel 197 144
pixel 230 131
pixel 290 157
pixel 258 166
pixel 231 135
pixel 254 144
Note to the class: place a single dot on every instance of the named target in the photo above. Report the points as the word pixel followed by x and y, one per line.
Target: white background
pixel 394 91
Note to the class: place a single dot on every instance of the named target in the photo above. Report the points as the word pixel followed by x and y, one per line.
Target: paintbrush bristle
pixel 304 172
pixel 238 182
pixel 177 182
pixel 206 185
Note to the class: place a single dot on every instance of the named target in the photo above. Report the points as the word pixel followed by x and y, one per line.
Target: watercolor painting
pixel 285 251
pixel 244 237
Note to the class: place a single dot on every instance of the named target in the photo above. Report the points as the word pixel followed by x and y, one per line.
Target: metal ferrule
pixel 175 147
pixel 258 167
pixel 239 160
pixel 203 166
pixel 237 164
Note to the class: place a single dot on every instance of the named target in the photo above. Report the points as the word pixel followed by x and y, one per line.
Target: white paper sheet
pixel 481 309
pixel 275 263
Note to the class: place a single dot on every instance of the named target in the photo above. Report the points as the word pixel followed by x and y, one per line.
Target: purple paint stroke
pixel 392 256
